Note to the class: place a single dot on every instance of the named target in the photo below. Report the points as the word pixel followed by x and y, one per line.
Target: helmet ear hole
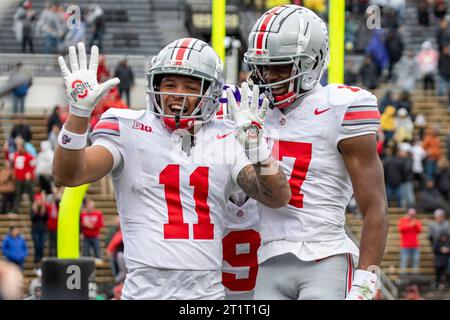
pixel 316 63
pixel 318 59
pixel 206 86
pixel 157 81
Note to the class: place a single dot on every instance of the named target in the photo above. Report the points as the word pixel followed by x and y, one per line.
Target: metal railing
pixel 46 65
pixel 387 287
pixel 164 5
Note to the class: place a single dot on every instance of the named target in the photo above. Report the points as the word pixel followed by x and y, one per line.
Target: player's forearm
pixel 266 183
pixel 373 236
pixel 69 165
pixel 273 186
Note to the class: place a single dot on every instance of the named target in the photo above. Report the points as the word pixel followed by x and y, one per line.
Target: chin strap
pixel 289 97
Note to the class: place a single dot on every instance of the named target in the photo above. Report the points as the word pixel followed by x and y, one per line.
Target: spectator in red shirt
pixel 52 207
pixel 103 74
pixel 91 223
pixel 114 250
pixel 110 100
pixel 23 164
pixel 409 228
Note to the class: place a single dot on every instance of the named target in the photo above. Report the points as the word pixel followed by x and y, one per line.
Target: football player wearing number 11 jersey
pixel 324 138
pixel 173 166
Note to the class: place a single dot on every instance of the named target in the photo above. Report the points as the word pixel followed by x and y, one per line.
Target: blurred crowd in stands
pixel 417 171
pixel 414 162
pixel 28 173
pixel 58 26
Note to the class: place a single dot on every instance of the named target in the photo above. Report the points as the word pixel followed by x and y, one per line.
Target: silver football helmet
pixel 288 34
pixel 186 57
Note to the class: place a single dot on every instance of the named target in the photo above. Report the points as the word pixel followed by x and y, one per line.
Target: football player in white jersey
pixel 241 239
pixel 241 242
pixel 325 140
pixel 173 166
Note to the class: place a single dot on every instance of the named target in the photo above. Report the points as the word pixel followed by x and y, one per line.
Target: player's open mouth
pixel 279 90
pixel 176 108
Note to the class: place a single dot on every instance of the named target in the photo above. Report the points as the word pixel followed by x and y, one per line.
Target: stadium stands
pixel 139 28
pixel 131 25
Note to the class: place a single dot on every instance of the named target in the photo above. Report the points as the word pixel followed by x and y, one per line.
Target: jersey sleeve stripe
pixel 363 107
pixel 359 123
pixel 109 119
pixel 105 131
pixel 359 115
pixel 106 125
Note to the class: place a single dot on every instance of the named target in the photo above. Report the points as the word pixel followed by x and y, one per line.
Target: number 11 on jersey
pixel 177 228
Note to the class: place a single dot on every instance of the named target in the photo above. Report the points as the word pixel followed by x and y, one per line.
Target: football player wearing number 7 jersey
pixel 173 166
pixel 325 140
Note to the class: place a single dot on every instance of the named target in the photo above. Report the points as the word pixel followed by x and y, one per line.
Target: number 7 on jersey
pixel 302 153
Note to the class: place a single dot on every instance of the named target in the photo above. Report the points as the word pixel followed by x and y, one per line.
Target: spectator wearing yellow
pixel 275 3
pixel 317 6
pixel 388 123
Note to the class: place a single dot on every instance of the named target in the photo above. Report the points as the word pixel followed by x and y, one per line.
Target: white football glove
pixel 249 123
pixel 83 90
pixel 364 286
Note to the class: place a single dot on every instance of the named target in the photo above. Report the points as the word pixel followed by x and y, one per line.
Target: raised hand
pixel 249 120
pixel 83 90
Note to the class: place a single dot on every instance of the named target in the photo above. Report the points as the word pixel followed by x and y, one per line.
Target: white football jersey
pixel 305 140
pixel 171 204
pixel 240 247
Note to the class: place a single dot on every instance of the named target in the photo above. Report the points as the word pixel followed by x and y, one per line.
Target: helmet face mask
pixel 288 35
pixel 187 115
pixel 200 63
pixel 290 83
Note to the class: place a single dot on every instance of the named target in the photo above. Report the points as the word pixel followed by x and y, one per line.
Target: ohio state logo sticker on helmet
pixel 80 89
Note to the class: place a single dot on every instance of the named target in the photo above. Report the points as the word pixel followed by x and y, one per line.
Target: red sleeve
pixel 419 226
pixel 115 242
pixel 99 223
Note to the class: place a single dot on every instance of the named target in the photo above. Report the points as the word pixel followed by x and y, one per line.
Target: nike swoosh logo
pixel 317 112
pixel 221 136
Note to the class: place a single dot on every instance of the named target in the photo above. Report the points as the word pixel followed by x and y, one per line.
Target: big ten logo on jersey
pixel 140 126
pixel 240 259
